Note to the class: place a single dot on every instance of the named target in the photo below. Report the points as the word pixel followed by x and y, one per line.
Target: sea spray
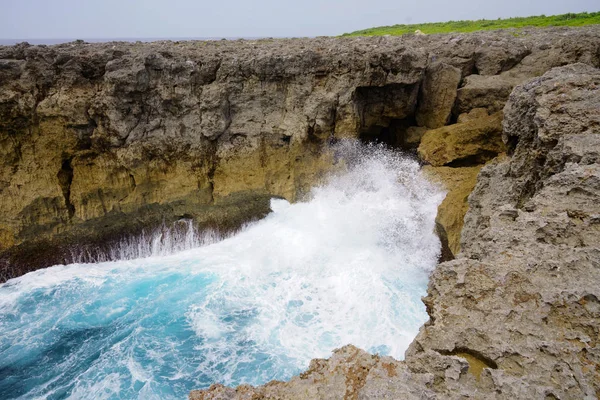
pixel 348 265
pixel 161 241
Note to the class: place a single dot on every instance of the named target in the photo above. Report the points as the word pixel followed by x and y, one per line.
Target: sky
pixel 89 19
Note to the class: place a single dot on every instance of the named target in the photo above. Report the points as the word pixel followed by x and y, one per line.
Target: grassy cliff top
pixel 570 19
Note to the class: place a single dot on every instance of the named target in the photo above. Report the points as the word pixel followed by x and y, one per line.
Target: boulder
pixel 411 137
pixel 489 92
pixel 475 113
pixel 463 144
pixel 499 56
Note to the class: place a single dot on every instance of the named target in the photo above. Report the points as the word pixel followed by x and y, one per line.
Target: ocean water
pixel 348 265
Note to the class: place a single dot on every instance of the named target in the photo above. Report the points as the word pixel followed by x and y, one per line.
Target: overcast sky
pixel 85 19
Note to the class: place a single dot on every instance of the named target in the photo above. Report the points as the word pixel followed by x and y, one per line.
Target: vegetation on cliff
pixel 570 19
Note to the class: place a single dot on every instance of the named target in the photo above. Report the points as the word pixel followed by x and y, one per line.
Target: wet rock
pixel 412 137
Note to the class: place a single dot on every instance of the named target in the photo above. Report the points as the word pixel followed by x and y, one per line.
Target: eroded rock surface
pixel 459 183
pixel 463 144
pixel 517 313
pixel 99 140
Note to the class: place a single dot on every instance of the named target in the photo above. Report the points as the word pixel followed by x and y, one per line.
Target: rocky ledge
pixel 517 314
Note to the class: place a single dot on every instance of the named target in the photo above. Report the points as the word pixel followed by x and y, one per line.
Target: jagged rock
pixel 350 373
pixel 489 92
pixel 524 293
pixel 99 139
pixel 516 314
pixel 459 183
pixel 463 144
pixel 514 66
pixel 102 140
pixel 438 92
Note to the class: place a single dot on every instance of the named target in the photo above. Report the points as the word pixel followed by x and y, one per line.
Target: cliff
pixel 516 314
pixel 104 140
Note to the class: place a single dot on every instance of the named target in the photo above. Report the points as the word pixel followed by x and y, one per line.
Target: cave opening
pixel 387 115
pixel 402 134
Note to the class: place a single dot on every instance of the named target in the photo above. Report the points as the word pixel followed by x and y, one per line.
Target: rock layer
pixel 516 314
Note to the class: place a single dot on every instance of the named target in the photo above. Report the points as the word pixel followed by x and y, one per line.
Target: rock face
pixel 524 294
pixel 517 313
pixel 459 183
pixel 438 93
pixel 99 140
pixel 105 139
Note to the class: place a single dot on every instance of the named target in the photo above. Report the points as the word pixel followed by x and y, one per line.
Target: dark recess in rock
pixel 65 178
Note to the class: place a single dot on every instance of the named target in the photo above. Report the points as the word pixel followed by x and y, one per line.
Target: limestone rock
pixel 489 92
pixel 98 139
pixel 462 144
pixel 411 137
pixel 500 56
pixel 499 72
pixel 438 92
pixel 523 296
pixel 459 183
pixel 350 373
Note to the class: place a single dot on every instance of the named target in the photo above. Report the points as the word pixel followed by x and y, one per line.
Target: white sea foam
pixel 349 265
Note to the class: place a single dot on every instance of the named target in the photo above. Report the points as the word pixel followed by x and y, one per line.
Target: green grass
pixel 570 19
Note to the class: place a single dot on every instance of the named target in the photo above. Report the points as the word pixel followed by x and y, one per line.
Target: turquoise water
pixel 347 266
